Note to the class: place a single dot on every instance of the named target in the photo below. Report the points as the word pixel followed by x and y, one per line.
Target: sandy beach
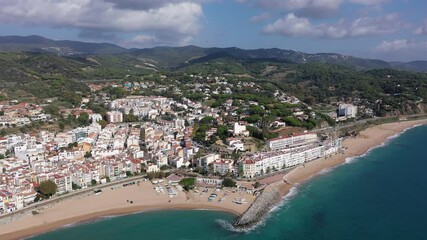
pixel 355 146
pixel 144 197
pixel 117 201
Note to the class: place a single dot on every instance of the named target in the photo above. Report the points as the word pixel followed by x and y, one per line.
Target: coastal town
pixel 152 136
pixel 213 119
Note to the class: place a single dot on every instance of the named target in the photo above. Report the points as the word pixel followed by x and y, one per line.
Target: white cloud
pixel 163 18
pixel 401 50
pixel 291 25
pixel 141 40
pixel 422 29
pixel 149 4
pixel 400 44
pixel 261 17
pixel 312 8
pixel 368 2
pixel 309 8
pixel 375 26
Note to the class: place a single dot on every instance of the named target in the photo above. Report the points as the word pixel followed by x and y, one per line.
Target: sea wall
pixel 256 212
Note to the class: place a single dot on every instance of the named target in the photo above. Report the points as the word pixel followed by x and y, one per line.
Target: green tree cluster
pixel 188 183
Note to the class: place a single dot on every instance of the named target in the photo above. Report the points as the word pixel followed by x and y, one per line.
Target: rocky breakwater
pixel 257 211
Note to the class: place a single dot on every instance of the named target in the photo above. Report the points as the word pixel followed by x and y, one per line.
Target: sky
pixel 392 30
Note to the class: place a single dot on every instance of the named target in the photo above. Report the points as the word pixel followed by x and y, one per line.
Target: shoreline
pixel 356 147
pixel 366 141
pixel 93 217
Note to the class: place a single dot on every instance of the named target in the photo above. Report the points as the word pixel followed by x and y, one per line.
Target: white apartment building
pixel 240 129
pixel 208 159
pixel 292 141
pixel 347 110
pixel 114 117
pixel 261 164
pixel 223 166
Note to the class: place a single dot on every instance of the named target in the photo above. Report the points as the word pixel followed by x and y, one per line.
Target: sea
pixel 380 195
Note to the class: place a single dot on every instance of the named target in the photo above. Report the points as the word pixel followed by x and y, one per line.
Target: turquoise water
pixel 382 195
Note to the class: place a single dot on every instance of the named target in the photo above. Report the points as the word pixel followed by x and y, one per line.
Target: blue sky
pixel 394 30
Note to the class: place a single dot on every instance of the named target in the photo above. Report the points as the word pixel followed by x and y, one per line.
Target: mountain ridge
pixel 172 57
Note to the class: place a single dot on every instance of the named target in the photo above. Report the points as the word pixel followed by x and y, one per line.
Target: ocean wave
pixel 325 171
pixel 354 159
pixel 296 188
pixel 69 225
pixel 229 226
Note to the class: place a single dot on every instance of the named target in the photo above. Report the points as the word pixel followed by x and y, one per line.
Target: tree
pixel 130 117
pixel 61 126
pixel 52 109
pixel 228 182
pixel 75 186
pixel 107 179
pixel 164 167
pixel 129 174
pixel 83 118
pixel 103 123
pixel 257 185
pixel 187 183
pixel 47 188
pixel 88 154
pixel 1 156
pixel 222 132
pixel 93 182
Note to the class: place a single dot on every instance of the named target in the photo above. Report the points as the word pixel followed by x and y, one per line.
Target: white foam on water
pixel 354 159
pixel 295 189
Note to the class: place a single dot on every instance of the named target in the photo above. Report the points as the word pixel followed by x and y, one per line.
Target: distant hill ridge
pixel 169 57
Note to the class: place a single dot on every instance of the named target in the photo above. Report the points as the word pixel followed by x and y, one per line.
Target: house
pixel 223 166
pixel 152 168
pixel 174 179
pixel 208 182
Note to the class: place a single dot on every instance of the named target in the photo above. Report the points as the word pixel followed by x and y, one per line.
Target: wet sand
pixel 117 202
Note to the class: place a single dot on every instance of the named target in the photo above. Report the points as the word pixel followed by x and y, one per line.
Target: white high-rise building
pixel 347 110
pixel 115 117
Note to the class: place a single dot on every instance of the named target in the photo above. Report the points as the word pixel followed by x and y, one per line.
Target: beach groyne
pixel 257 211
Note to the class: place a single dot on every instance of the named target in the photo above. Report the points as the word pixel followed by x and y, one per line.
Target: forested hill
pixel 172 57
pixel 43 75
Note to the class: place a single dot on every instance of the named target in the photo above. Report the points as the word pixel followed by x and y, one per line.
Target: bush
pixel 188 183
pixel 228 182
pixel 93 182
pixel 164 167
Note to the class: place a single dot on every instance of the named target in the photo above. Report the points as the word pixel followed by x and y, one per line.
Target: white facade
pixel 347 110
pixel 292 141
pixel 95 117
pixel 223 166
pixel 208 159
pixel 260 165
pixel 114 117
pixel 240 129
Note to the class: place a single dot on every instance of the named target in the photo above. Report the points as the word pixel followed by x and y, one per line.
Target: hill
pixel 62 47
pixel 176 57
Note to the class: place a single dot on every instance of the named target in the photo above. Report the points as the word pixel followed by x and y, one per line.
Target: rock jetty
pixel 257 211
